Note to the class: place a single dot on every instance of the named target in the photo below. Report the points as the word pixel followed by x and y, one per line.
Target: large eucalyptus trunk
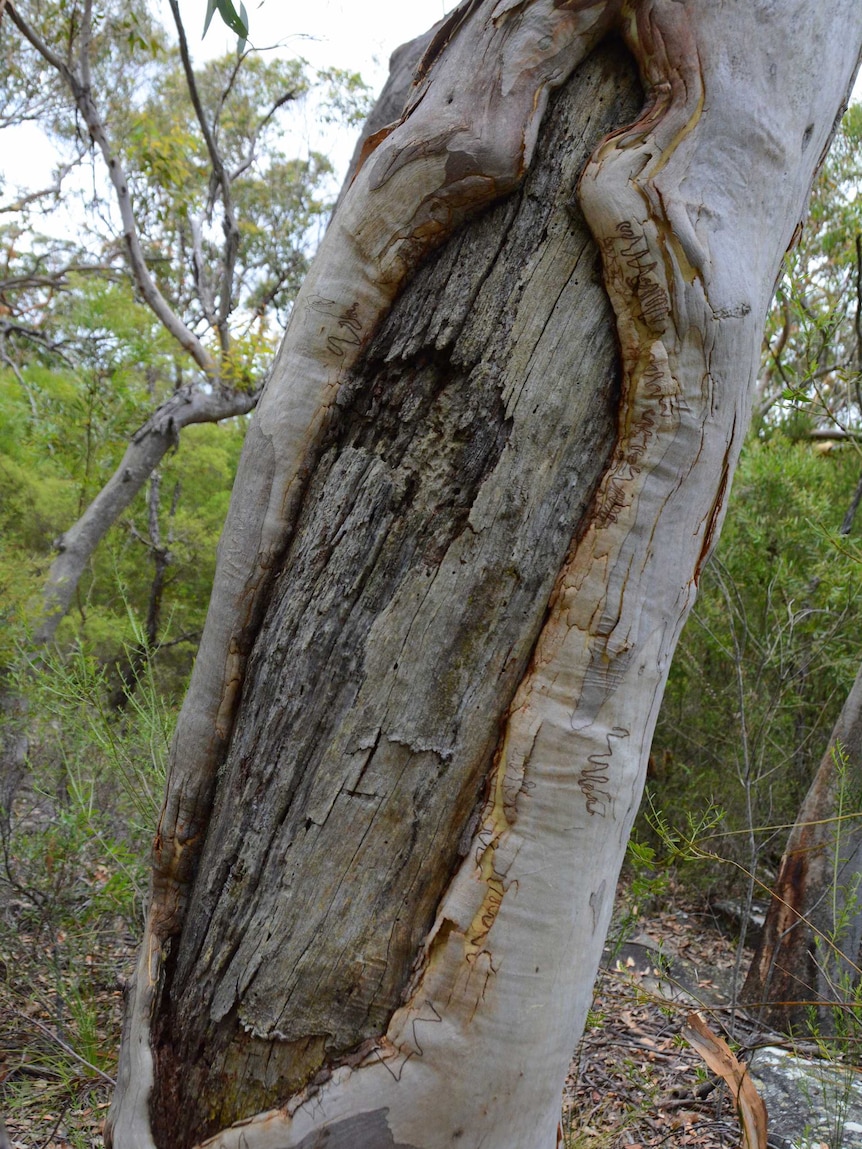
pixel 807 962
pixel 464 536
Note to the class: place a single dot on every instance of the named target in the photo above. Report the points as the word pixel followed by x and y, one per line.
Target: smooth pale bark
pixel 146 449
pixel 390 103
pixel 808 954
pixel 692 207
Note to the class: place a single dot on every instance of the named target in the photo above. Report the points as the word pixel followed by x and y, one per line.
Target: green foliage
pixel 236 21
pixel 178 198
pixel 83 362
pixel 278 198
pixel 73 849
pixel 63 433
pixel 124 751
pixel 346 98
pixel 811 377
pixel 769 653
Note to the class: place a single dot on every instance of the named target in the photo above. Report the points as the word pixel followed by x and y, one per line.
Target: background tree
pixel 767 656
pixel 806 966
pixel 456 880
pixel 210 224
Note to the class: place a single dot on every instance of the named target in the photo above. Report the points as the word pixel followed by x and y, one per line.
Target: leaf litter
pixel 634 1082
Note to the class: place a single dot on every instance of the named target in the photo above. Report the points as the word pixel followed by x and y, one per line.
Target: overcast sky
pixel 354 36
pixel 343 33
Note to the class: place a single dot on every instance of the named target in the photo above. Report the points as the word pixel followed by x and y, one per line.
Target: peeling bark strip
pixel 692 207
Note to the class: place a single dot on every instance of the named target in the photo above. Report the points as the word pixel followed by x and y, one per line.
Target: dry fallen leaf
pixel 718 1056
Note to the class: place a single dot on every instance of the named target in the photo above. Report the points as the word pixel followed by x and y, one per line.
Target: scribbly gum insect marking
pixel 594 777
pixel 341 326
pixel 508 783
pixel 650 412
pixel 633 269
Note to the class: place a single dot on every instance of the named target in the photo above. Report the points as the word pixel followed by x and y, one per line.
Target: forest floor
pixel 634 1081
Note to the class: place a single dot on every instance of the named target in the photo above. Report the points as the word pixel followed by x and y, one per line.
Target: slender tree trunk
pixel 132 661
pixel 459 554
pixel 809 950
pixel 14 747
pixel 850 516
pixel 146 449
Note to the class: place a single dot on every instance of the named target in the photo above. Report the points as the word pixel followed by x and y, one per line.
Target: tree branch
pixel 82 95
pixel 34 335
pixel 56 280
pixel 31 197
pixel 252 148
pixel 231 228
pixel 226 91
pixel 146 449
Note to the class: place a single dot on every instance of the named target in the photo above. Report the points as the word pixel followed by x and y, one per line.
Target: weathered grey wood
pixel 401 624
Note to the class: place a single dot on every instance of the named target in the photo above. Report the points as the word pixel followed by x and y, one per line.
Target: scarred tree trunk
pixel 461 547
pixel 808 956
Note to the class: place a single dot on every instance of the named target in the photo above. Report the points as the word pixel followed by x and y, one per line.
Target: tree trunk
pixel 808 956
pixel 413 594
pixel 460 550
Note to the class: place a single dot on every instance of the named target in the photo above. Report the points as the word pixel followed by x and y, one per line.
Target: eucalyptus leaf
pixel 236 21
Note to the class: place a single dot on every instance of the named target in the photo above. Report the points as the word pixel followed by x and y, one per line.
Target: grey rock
pixel 810 1103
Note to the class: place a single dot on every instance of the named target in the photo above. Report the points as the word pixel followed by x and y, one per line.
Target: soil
pixel 634 1081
